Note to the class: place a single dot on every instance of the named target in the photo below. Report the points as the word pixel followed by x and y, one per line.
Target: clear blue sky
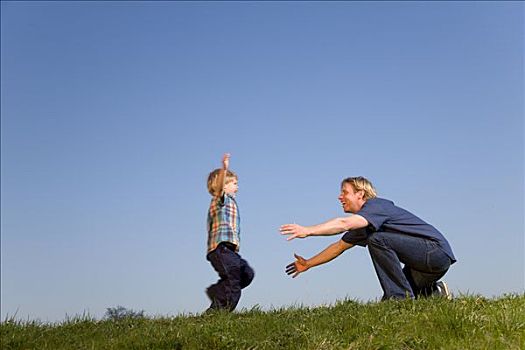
pixel 114 113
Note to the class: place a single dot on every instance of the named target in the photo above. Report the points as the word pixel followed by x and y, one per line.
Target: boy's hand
pixel 226 161
pixel 294 230
pixel 298 266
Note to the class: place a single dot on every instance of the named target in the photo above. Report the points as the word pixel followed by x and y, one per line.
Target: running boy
pixel 223 240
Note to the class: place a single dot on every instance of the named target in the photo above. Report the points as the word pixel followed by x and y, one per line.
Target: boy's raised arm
pixel 222 174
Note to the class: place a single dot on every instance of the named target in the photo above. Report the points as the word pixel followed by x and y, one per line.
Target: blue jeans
pixel 235 274
pixel 424 264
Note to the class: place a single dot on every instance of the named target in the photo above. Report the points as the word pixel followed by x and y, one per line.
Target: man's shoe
pixel 442 290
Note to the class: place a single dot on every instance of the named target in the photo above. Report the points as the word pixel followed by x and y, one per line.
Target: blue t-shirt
pixel 382 215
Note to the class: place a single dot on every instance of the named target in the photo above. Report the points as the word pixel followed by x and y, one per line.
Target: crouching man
pixel 393 235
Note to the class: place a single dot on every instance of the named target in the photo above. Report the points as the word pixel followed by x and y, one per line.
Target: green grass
pixel 467 322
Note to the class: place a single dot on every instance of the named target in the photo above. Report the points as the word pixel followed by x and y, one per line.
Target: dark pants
pixel 235 274
pixel 424 264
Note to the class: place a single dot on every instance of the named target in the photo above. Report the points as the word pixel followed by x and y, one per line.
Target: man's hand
pixel 226 161
pixel 298 266
pixel 294 230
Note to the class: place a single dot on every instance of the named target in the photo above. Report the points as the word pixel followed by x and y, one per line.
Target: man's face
pixel 350 200
pixel 231 187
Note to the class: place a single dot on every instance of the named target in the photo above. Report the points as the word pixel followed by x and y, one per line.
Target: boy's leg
pixel 216 291
pixel 210 292
pixel 247 274
pixel 227 291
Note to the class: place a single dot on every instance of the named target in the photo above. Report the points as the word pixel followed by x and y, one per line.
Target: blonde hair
pixel 213 181
pixel 360 183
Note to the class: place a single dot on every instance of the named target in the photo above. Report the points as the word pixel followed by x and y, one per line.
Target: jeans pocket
pixel 437 260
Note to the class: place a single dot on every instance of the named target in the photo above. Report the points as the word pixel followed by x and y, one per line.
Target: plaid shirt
pixel 223 222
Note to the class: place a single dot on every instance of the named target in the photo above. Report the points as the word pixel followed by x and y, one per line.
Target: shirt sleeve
pixel 356 237
pixel 376 212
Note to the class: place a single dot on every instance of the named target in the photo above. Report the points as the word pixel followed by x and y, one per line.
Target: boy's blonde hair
pixel 360 183
pixel 214 186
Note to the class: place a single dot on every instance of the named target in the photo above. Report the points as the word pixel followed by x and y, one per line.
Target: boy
pixel 223 240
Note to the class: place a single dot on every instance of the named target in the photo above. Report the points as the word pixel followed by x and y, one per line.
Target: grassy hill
pixel 467 322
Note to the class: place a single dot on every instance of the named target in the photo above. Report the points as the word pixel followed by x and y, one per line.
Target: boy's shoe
pixel 214 303
pixel 442 290
pixel 210 311
pixel 208 294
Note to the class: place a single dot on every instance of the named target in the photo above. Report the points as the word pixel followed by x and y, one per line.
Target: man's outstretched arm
pixel 328 228
pixel 331 252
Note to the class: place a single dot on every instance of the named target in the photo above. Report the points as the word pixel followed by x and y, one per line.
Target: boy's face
pixel 231 187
